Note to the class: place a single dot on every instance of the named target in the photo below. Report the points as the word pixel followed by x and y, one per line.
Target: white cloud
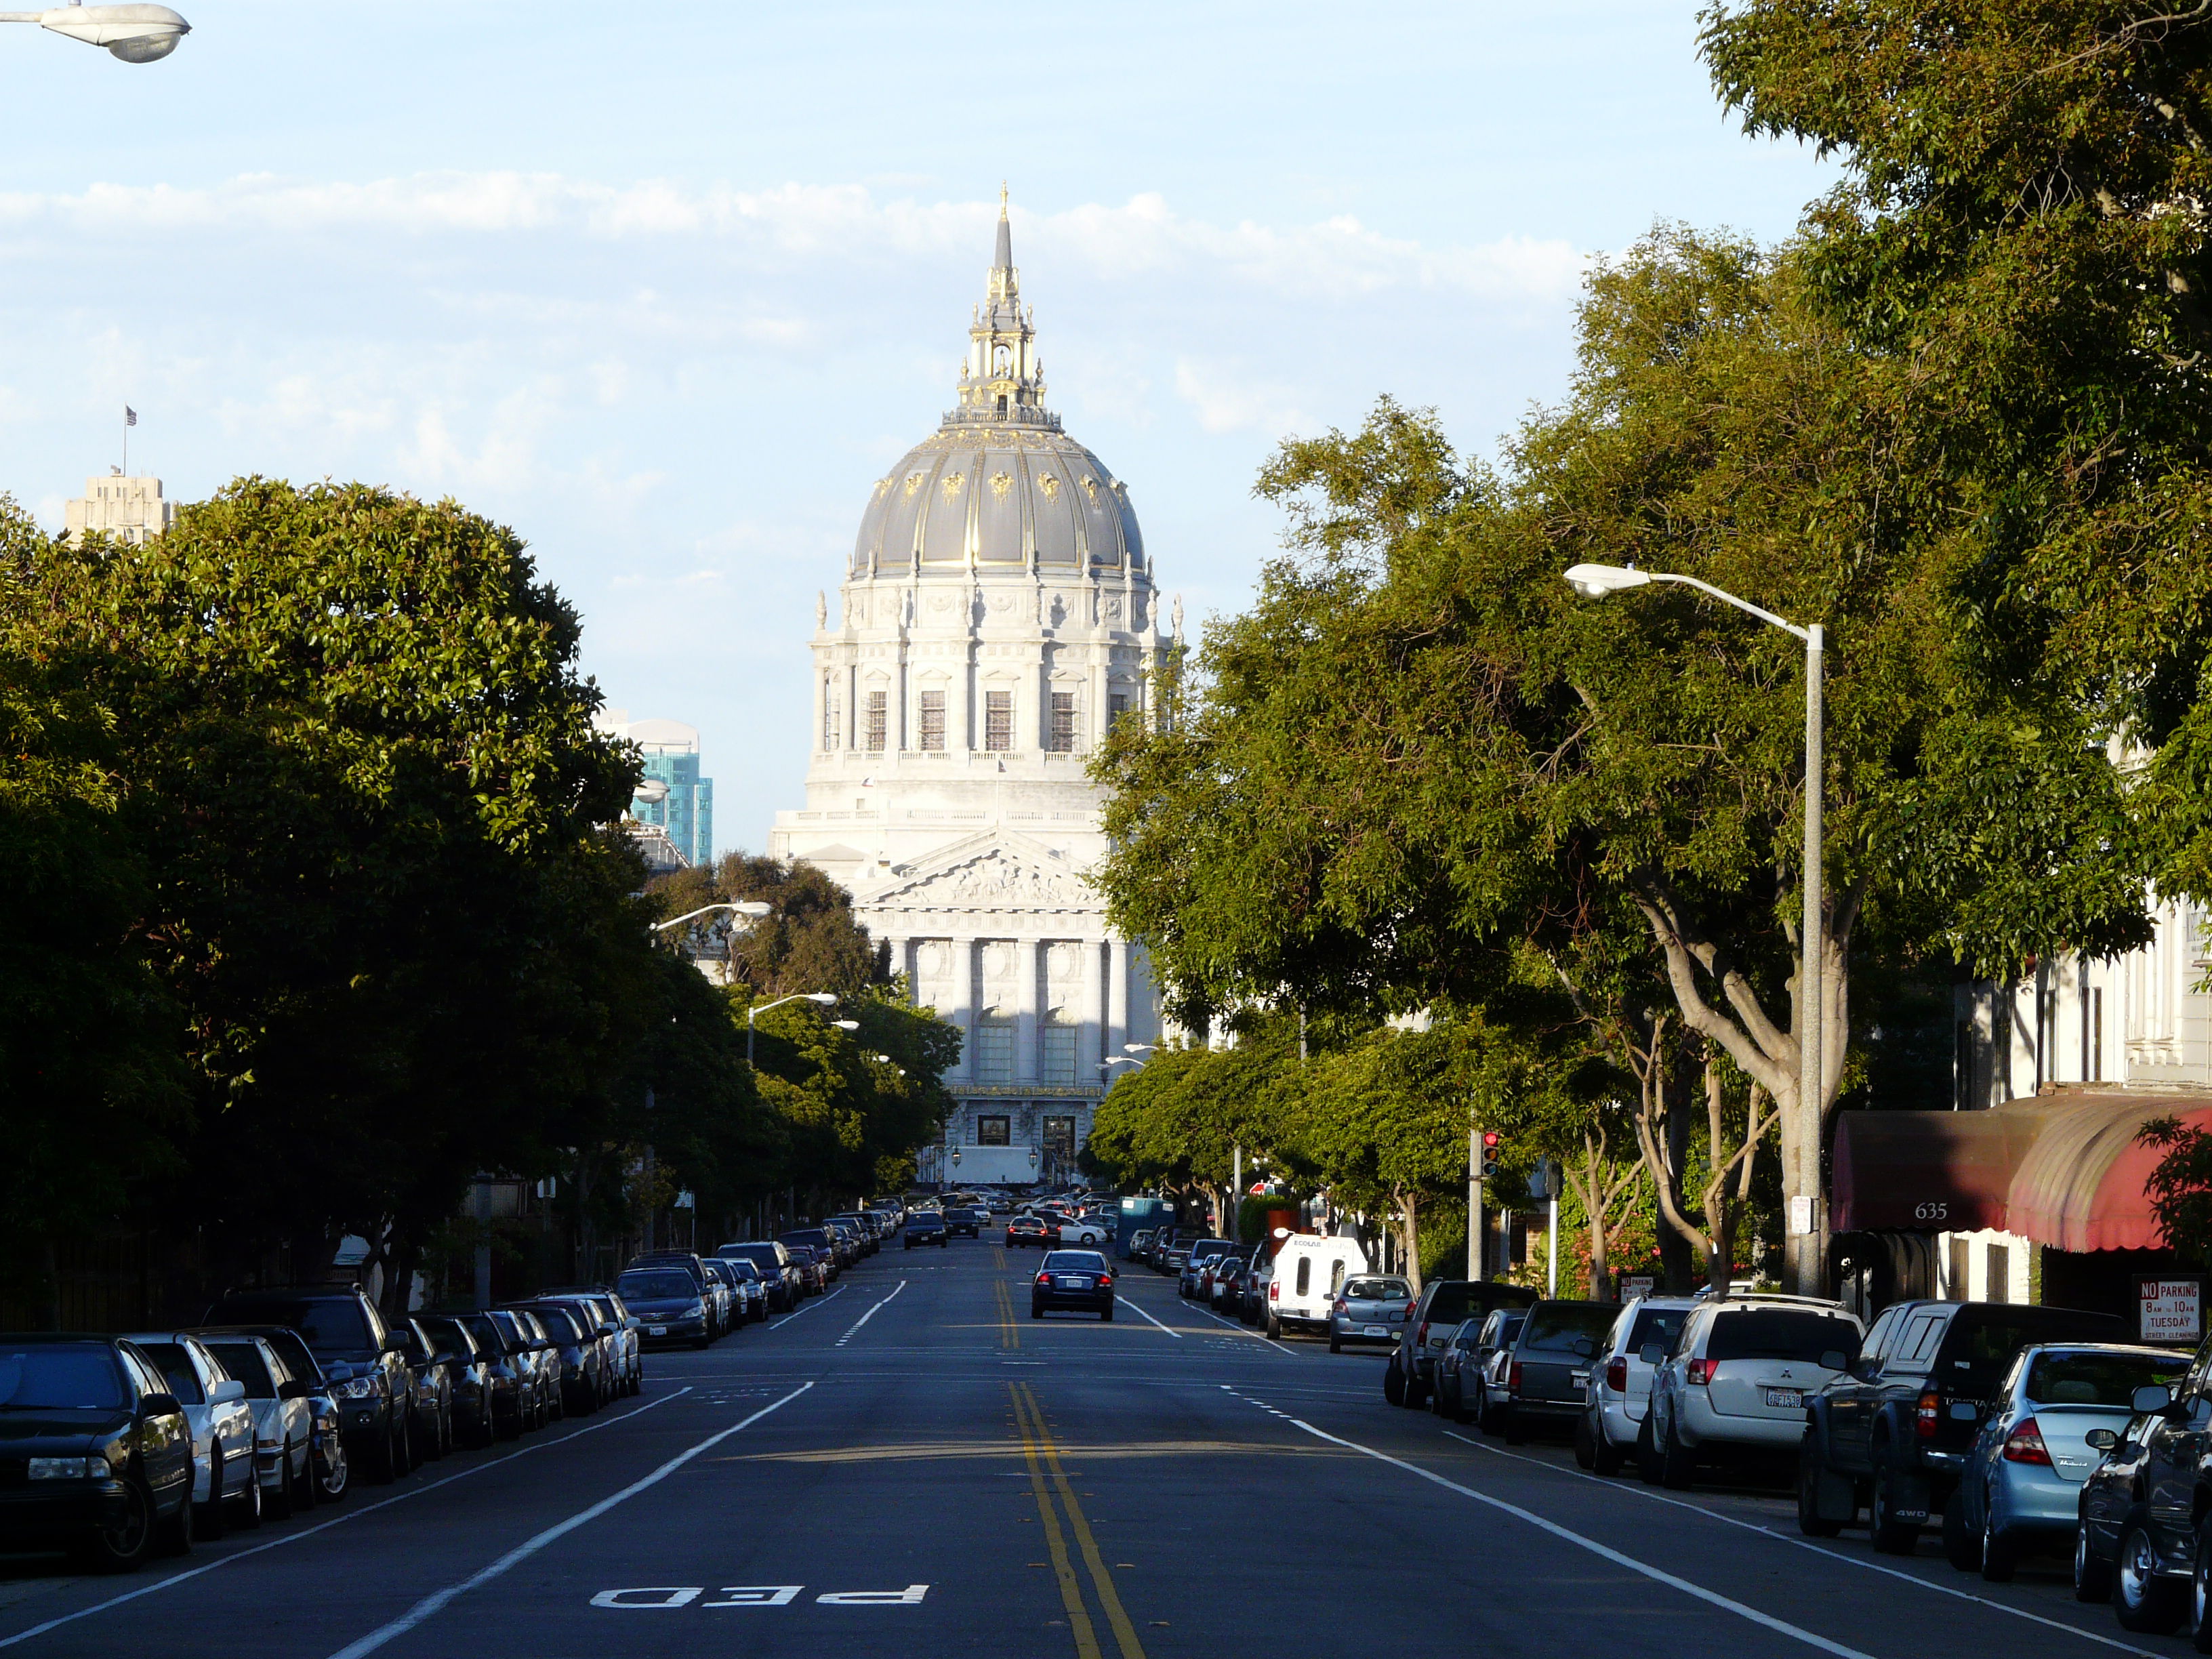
pixel 1227 399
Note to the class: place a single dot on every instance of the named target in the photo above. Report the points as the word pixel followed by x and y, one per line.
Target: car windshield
pixel 449 1336
pixel 295 1354
pixel 657 1285
pixel 332 1325
pixel 560 1324
pixel 924 1222
pixel 1660 1325
pixel 62 1377
pixel 1509 1327
pixel 2098 1379
pixel 1556 1327
pixel 1379 1290
pixel 491 1335
pixel 176 1365
pixel 1981 1342
pixel 739 1269
pixel 243 1361
pixel 1797 1333
pixel 1450 1302
pixel 1083 1261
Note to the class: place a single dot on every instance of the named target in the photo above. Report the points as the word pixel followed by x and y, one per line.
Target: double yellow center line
pixel 1042 1454
pixel 1010 1334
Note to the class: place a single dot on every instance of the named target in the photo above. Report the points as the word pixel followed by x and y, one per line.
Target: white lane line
pixel 1659 1575
pixel 1806 1544
pixel 808 1309
pixel 1130 1302
pixel 431 1606
pixel 175 1578
pixel 1275 1346
pixel 866 1316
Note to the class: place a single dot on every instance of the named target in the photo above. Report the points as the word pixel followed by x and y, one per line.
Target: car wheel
pixel 211 1518
pixel 2142 1601
pixel 1107 1314
pixel 1585 1448
pixel 1962 1541
pixel 1605 1456
pixel 1036 1312
pixel 1999 1553
pixel 249 1503
pixel 383 1461
pixel 175 1535
pixel 1647 1455
pixel 1889 1535
pixel 301 1480
pixel 1335 1346
pixel 122 1543
pixel 277 1501
pixel 1510 1425
pixel 336 1475
pixel 1809 1519
pixel 2200 1592
pixel 1394 1384
pixel 2093 1575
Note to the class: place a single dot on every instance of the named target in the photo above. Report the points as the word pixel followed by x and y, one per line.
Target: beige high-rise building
pixel 127 509
pixel 996 617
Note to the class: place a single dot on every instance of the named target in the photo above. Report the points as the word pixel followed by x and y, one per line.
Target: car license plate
pixel 1376 1330
pixel 1793 1398
pixel 1074 1284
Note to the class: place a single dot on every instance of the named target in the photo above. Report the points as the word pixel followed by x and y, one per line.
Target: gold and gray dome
pixel 999 485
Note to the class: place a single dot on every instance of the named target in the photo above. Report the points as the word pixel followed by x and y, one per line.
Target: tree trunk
pixel 1409 1235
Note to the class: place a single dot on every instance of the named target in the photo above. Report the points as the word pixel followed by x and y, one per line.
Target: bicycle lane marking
pixel 808 1309
pixel 336 1520
pixel 431 1606
pixel 1565 1534
pixel 866 1316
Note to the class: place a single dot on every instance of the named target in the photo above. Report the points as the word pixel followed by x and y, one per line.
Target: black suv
pixel 2145 1538
pixel 364 1362
pixel 1894 1430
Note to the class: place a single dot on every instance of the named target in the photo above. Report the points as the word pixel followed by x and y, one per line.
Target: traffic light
pixel 1490 1139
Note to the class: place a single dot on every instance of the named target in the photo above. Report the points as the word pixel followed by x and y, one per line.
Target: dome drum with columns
pixel 997 618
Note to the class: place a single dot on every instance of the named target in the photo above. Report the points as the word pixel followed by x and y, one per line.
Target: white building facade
pixel 126 509
pixel 997 616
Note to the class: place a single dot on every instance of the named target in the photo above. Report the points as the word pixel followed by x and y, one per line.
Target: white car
pixel 1083 1233
pixel 1737 1380
pixel 1621 1380
pixel 283 1420
pixel 226 1483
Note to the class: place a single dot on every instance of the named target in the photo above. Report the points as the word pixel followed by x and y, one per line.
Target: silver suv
pixel 1738 1379
pixel 1369 1309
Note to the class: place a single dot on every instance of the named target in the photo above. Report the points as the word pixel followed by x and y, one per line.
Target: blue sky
pixel 666 288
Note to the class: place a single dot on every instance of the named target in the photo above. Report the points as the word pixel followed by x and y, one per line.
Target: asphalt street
pixel 912 1460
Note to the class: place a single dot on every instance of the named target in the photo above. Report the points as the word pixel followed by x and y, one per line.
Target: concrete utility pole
pixel 1474 1198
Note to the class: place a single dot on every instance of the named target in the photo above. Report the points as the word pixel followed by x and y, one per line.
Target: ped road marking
pixel 431 1605
pixel 808 1309
pixel 1037 1439
pixel 337 1521
pixel 755 1596
pixel 1659 1575
pixel 866 1316
pixel 1833 1555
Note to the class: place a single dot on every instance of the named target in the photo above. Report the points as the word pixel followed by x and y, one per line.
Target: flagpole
pixel 126 441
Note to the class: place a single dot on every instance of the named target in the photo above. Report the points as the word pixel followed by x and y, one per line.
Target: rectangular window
pixel 995 1051
pixel 1059 1052
pixel 1116 706
pixel 932 721
pixel 994 1131
pixel 829 716
pixel 880 720
pixel 1060 1140
pixel 998 720
pixel 1063 723
pixel 1998 1268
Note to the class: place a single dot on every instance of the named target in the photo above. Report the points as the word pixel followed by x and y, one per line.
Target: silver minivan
pixel 1621 1380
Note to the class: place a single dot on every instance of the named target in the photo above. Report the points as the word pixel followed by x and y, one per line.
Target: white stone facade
pixel 998 616
pixel 127 509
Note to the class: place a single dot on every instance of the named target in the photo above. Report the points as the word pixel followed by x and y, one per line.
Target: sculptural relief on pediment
pixel 995 880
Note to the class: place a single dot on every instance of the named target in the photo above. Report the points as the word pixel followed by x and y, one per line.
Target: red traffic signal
pixel 1491 1139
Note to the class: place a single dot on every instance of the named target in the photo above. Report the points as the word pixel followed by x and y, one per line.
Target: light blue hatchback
pixel 2021 1490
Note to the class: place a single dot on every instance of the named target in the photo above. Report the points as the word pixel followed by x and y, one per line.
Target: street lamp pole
pixel 1805 1226
pixel 825 998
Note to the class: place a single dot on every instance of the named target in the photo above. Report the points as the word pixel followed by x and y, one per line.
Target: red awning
pixel 2065 1169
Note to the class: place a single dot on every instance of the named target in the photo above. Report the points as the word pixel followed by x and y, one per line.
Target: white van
pixel 1307 1274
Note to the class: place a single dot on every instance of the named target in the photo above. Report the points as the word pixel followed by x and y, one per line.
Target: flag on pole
pixel 130 416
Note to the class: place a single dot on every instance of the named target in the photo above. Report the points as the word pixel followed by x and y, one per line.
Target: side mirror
pixel 2151 1397
pixel 1652 1353
pixel 293 1389
pixel 632 1323
pixel 394 1343
pixel 225 1392
pixel 2101 1440
pixel 1835 1360
pixel 161 1405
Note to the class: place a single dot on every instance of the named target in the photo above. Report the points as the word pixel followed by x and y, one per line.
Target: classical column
pixel 967 989
pixel 1090 1032
pixel 820 739
pixel 1117 997
pixel 1028 966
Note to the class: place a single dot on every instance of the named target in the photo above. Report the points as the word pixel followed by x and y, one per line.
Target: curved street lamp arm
pixel 1727 598
pixel 741 908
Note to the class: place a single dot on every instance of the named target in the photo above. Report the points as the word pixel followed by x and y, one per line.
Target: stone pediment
pixel 991 877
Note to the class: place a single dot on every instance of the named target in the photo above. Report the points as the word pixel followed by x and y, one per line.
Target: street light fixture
pixel 752 909
pixel 825 998
pixel 1804 1218
pixel 137 35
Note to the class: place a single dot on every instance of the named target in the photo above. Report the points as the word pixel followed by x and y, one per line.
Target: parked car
pixel 104 1451
pixel 1621 1380
pixel 512 1366
pixel 583 1363
pixel 863 1228
pixel 751 1291
pixel 1483 1380
pixel 671 1307
pixel 713 1291
pixel 2022 1491
pixel 469 1377
pixel 1308 1270
pixel 1435 1315
pixel 924 1227
pixel 776 1269
pixel 360 1359
pixel 824 1245
pixel 730 1294
pixel 432 1399
pixel 1081 1230
pixel 333 1468
pixel 1893 1431
pixel 549 1366
pixel 1141 1243
pixel 813 1266
pixel 2141 1541
pixel 1027 1229
pixel 621 1327
pixel 1081 1281
pixel 1738 1379
pixel 1226 1289
pixel 1369 1309
pixel 1195 1254
pixel 1546 1373
pixel 226 1484
pixel 283 1420
pixel 1450 1396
